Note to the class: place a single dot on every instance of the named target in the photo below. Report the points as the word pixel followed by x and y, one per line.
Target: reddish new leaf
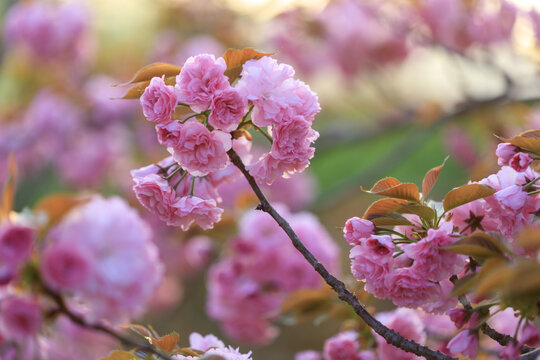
pixel 136 91
pixel 153 70
pixel 392 187
pixel 235 59
pixel 431 178
pixel 383 207
pixel 8 193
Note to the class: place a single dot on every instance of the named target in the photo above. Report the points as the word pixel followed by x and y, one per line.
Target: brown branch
pixel 77 319
pixel 339 287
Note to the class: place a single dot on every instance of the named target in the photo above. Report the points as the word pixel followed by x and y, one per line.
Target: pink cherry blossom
pixel 433 262
pixel 511 351
pixel 192 209
pixel 203 343
pixel 511 205
pixel 202 76
pixel 466 343
pixel 343 346
pixel 520 161
pixel 169 133
pixel 474 216
pixel 356 229
pixel 124 270
pixel 407 323
pixel 247 287
pixel 291 146
pixel 201 151
pixel 505 152
pixel 155 194
pixel 372 260
pixel 307 355
pixel 20 318
pixel 158 101
pixel 212 347
pixel 458 316
pixel 16 242
pixel 530 335
pixel 408 288
pixel 261 84
pixel 65 267
pixel 228 108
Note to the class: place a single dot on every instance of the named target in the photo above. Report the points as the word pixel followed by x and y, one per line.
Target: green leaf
pixel 466 194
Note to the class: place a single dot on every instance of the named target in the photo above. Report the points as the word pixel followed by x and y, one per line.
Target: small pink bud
pixel 521 161
pixel 504 153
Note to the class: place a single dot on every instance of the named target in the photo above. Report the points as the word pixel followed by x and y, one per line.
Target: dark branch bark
pixel 339 287
pixel 127 341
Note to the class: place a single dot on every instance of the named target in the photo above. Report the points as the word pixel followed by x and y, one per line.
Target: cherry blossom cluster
pixel 247 287
pixel 181 189
pixel 356 36
pixel 360 36
pixel 49 31
pixel 411 266
pixel 99 259
pixel 457 27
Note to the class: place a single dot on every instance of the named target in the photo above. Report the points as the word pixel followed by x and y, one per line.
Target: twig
pixel 63 309
pixel 339 287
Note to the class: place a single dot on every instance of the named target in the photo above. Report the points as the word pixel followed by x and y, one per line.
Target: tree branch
pixel 338 286
pixel 77 319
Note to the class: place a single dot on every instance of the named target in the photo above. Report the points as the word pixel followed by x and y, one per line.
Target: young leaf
pixel 235 59
pixel 383 207
pixel 121 355
pixel 58 205
pixel 393 188
pixel 479 245
pixel 528 140
pixel 431 178
pixel 153 70
pixel 466 194
pixel 166 343
pixel 136 91
pixel 8 193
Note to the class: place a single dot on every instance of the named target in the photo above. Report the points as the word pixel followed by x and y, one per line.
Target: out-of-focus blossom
pixel 247 287
pixel 114 255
